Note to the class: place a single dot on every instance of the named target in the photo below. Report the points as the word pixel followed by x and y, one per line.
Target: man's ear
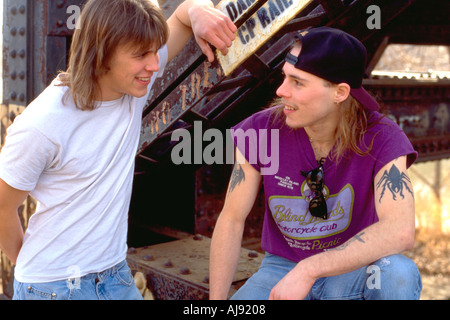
pixel 342 92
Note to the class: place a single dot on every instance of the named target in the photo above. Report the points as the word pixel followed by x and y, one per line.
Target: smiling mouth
pixel 289 108
pixel 143 79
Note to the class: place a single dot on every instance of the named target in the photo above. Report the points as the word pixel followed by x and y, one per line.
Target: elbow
pixel 407 239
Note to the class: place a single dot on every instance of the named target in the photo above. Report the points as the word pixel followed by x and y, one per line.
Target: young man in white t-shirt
pixel 73 148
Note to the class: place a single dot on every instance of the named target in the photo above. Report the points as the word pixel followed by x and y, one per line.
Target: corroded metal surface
pixel 179 270
pixel 259 28
pixel 186 86
pixel 421 107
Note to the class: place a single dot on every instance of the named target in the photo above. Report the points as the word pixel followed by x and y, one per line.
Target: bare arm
pixel 226 241
pixel 199 17
pixel 392 234
pixel 11 232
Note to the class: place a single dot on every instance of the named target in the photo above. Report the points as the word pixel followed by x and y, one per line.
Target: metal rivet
pixel 185 271
pixel 198 237
pixel 22 97
pixel 149 257
pixel 29 288
pixel 22 9
pixel 253 254
pixel 14 10
pixel 13 31
pixel 22 75
pixel 13 95
pixel 13 53
pixel 168 264
pixel 59 3
pixel 22 31
pixel 53 295
pixel 132 250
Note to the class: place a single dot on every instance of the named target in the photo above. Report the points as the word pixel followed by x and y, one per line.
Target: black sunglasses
pixel 315 181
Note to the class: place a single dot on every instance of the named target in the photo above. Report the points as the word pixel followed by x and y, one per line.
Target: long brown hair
pixel 105 25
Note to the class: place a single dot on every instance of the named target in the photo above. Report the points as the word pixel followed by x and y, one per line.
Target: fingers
pixel 218 31
pixel 206 49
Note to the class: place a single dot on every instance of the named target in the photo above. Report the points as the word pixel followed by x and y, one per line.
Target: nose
pixel 152 63
pixel 282 90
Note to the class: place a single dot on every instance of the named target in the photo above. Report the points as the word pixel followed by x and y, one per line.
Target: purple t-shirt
pixel 281 153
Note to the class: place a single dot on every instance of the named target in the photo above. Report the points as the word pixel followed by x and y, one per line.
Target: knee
pixel 394 277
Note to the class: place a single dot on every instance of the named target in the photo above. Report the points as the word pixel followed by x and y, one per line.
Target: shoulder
pixel 389 140
pixel 49 109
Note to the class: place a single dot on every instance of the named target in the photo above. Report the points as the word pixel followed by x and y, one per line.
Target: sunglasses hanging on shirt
pixel 315 181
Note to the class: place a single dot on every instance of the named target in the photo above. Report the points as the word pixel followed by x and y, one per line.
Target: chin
pixel 292 124
pixel 138 94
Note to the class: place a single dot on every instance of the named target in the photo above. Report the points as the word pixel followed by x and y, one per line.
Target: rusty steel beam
pixel 421 108
pixel 179 270
pixel 189 87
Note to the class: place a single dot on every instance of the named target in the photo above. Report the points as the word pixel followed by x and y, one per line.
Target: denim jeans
pixel 391 278
pixel 115 283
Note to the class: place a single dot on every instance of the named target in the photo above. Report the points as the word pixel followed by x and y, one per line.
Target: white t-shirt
pixel 79 166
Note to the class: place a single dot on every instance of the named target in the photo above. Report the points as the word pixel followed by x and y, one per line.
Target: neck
pixel 321 136
pixel 321 142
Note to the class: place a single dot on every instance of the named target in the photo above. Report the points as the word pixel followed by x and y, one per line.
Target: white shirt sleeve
pixel 25 155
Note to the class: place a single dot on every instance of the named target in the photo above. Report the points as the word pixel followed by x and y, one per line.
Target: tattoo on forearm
pixel 395 181
pixel 237 176
pixel 357 237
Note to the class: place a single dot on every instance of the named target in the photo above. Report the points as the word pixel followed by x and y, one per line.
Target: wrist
pixel 309 269
pixel 194 5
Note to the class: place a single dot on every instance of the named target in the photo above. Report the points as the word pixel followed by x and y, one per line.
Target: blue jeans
pixel 391 278
pixel 115 283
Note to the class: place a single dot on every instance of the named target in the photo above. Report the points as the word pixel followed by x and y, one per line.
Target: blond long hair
pixel 354 122
pixel 105 25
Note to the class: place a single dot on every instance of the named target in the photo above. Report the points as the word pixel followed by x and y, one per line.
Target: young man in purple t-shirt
pixel 339 204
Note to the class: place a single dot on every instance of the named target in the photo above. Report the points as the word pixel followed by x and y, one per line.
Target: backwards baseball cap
pixel 336 56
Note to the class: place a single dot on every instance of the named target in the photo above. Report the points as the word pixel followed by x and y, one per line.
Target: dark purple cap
pixel 336 56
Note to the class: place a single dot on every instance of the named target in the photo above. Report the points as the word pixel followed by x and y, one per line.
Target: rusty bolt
pixel 253 254
pixel 12 116
pixel 149 257
pixel 198 237
pixel 168 264
pixel 60 4
pixel 185 270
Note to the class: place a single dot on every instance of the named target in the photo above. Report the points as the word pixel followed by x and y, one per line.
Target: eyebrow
pixel 293 76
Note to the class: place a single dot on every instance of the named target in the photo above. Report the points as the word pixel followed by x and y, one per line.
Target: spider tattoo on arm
pixel 395 181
